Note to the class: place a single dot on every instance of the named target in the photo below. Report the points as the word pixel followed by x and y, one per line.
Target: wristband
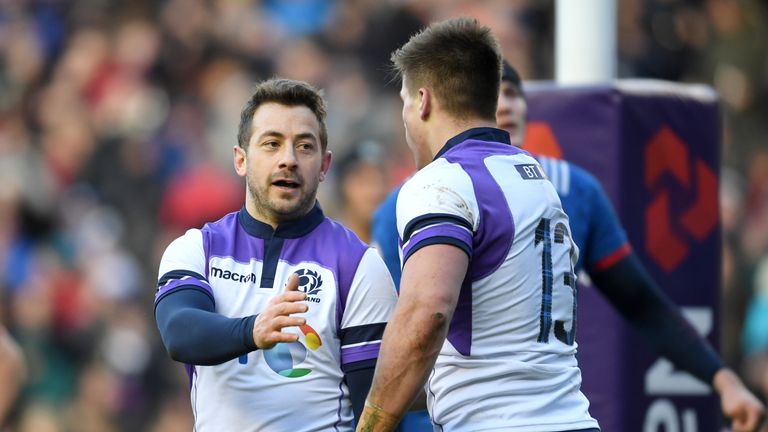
pixel 377 416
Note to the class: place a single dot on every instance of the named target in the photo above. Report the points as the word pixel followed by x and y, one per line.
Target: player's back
pixel 510 349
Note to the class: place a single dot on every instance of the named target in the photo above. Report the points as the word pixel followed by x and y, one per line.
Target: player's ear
pixel 425 103
pixel 326 164
pixel 240 160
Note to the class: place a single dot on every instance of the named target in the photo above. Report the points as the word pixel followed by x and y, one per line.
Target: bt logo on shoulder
pixel 310 283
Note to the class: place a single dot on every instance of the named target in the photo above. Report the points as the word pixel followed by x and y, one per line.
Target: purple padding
pixel 334 247
pixel 496 229
pixel 177 283
pixel 495 232
pixel 231 240
pixel 441 230
pixel 359 353
pixel 190 369
pixel 460 331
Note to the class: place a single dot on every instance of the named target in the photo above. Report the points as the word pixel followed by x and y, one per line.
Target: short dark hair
pixel 366 151
pixel 286 92
pixel 459 60
pixel 510 74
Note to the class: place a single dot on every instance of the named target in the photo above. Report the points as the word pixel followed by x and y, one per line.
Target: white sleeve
pixel 369 305
pixel 183 265
pixel 184 253
pixel 437 206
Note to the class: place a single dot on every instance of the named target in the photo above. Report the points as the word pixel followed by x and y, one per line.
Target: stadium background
pixel 116 126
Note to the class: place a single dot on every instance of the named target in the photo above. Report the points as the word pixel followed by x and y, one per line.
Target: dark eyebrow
pixel 306 135
pixel 271 133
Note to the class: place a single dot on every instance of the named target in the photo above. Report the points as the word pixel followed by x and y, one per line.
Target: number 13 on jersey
pixel 555 277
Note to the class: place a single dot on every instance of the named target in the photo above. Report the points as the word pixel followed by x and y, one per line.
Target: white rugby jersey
pixel 508 362
pixel 242 263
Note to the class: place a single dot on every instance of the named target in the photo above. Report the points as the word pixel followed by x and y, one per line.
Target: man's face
pixel 512 112
pixel 284 162
pixel 364 187
pixel 413 123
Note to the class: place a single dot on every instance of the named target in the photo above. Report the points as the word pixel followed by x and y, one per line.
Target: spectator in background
pixel 363 184
pixel 12 373
pixel 755 336
pixel 754 244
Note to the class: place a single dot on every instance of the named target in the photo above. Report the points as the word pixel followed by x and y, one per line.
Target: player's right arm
pixel 432 278
pixel 435 223
pixel 191 329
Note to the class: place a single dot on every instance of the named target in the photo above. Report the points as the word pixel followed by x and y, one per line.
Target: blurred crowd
pixel 117 121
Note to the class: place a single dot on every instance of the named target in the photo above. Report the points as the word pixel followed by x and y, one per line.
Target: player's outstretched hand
pixel 742 407
pixel 277 315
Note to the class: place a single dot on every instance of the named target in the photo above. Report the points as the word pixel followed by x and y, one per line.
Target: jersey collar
pixel 478 133
pixel 292 229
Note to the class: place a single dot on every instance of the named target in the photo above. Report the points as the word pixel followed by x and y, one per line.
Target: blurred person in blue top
pixel 607 256
pixel 755 332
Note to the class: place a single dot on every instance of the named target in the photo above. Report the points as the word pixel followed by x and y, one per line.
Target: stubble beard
pixel 278 210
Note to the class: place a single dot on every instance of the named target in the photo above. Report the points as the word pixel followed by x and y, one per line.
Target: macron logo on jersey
pixel 233 276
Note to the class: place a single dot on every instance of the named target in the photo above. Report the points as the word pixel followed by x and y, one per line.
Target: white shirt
pixel 508 362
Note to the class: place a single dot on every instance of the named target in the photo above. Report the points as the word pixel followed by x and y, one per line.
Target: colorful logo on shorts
pixel 284 358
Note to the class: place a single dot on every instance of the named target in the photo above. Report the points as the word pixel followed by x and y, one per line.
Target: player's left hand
pixel 267 329
pixel 739 404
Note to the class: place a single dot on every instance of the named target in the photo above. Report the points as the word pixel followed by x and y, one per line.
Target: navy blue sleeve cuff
pixel 439 240
pixel 194 333
pixel 247 331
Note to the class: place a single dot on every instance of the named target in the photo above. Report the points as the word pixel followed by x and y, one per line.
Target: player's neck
pixel 448 127
pixel 256 213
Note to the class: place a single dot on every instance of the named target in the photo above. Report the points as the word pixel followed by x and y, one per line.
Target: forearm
pixel 411 343
pixel 430 287
pixel 634 294
pixel 194 334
